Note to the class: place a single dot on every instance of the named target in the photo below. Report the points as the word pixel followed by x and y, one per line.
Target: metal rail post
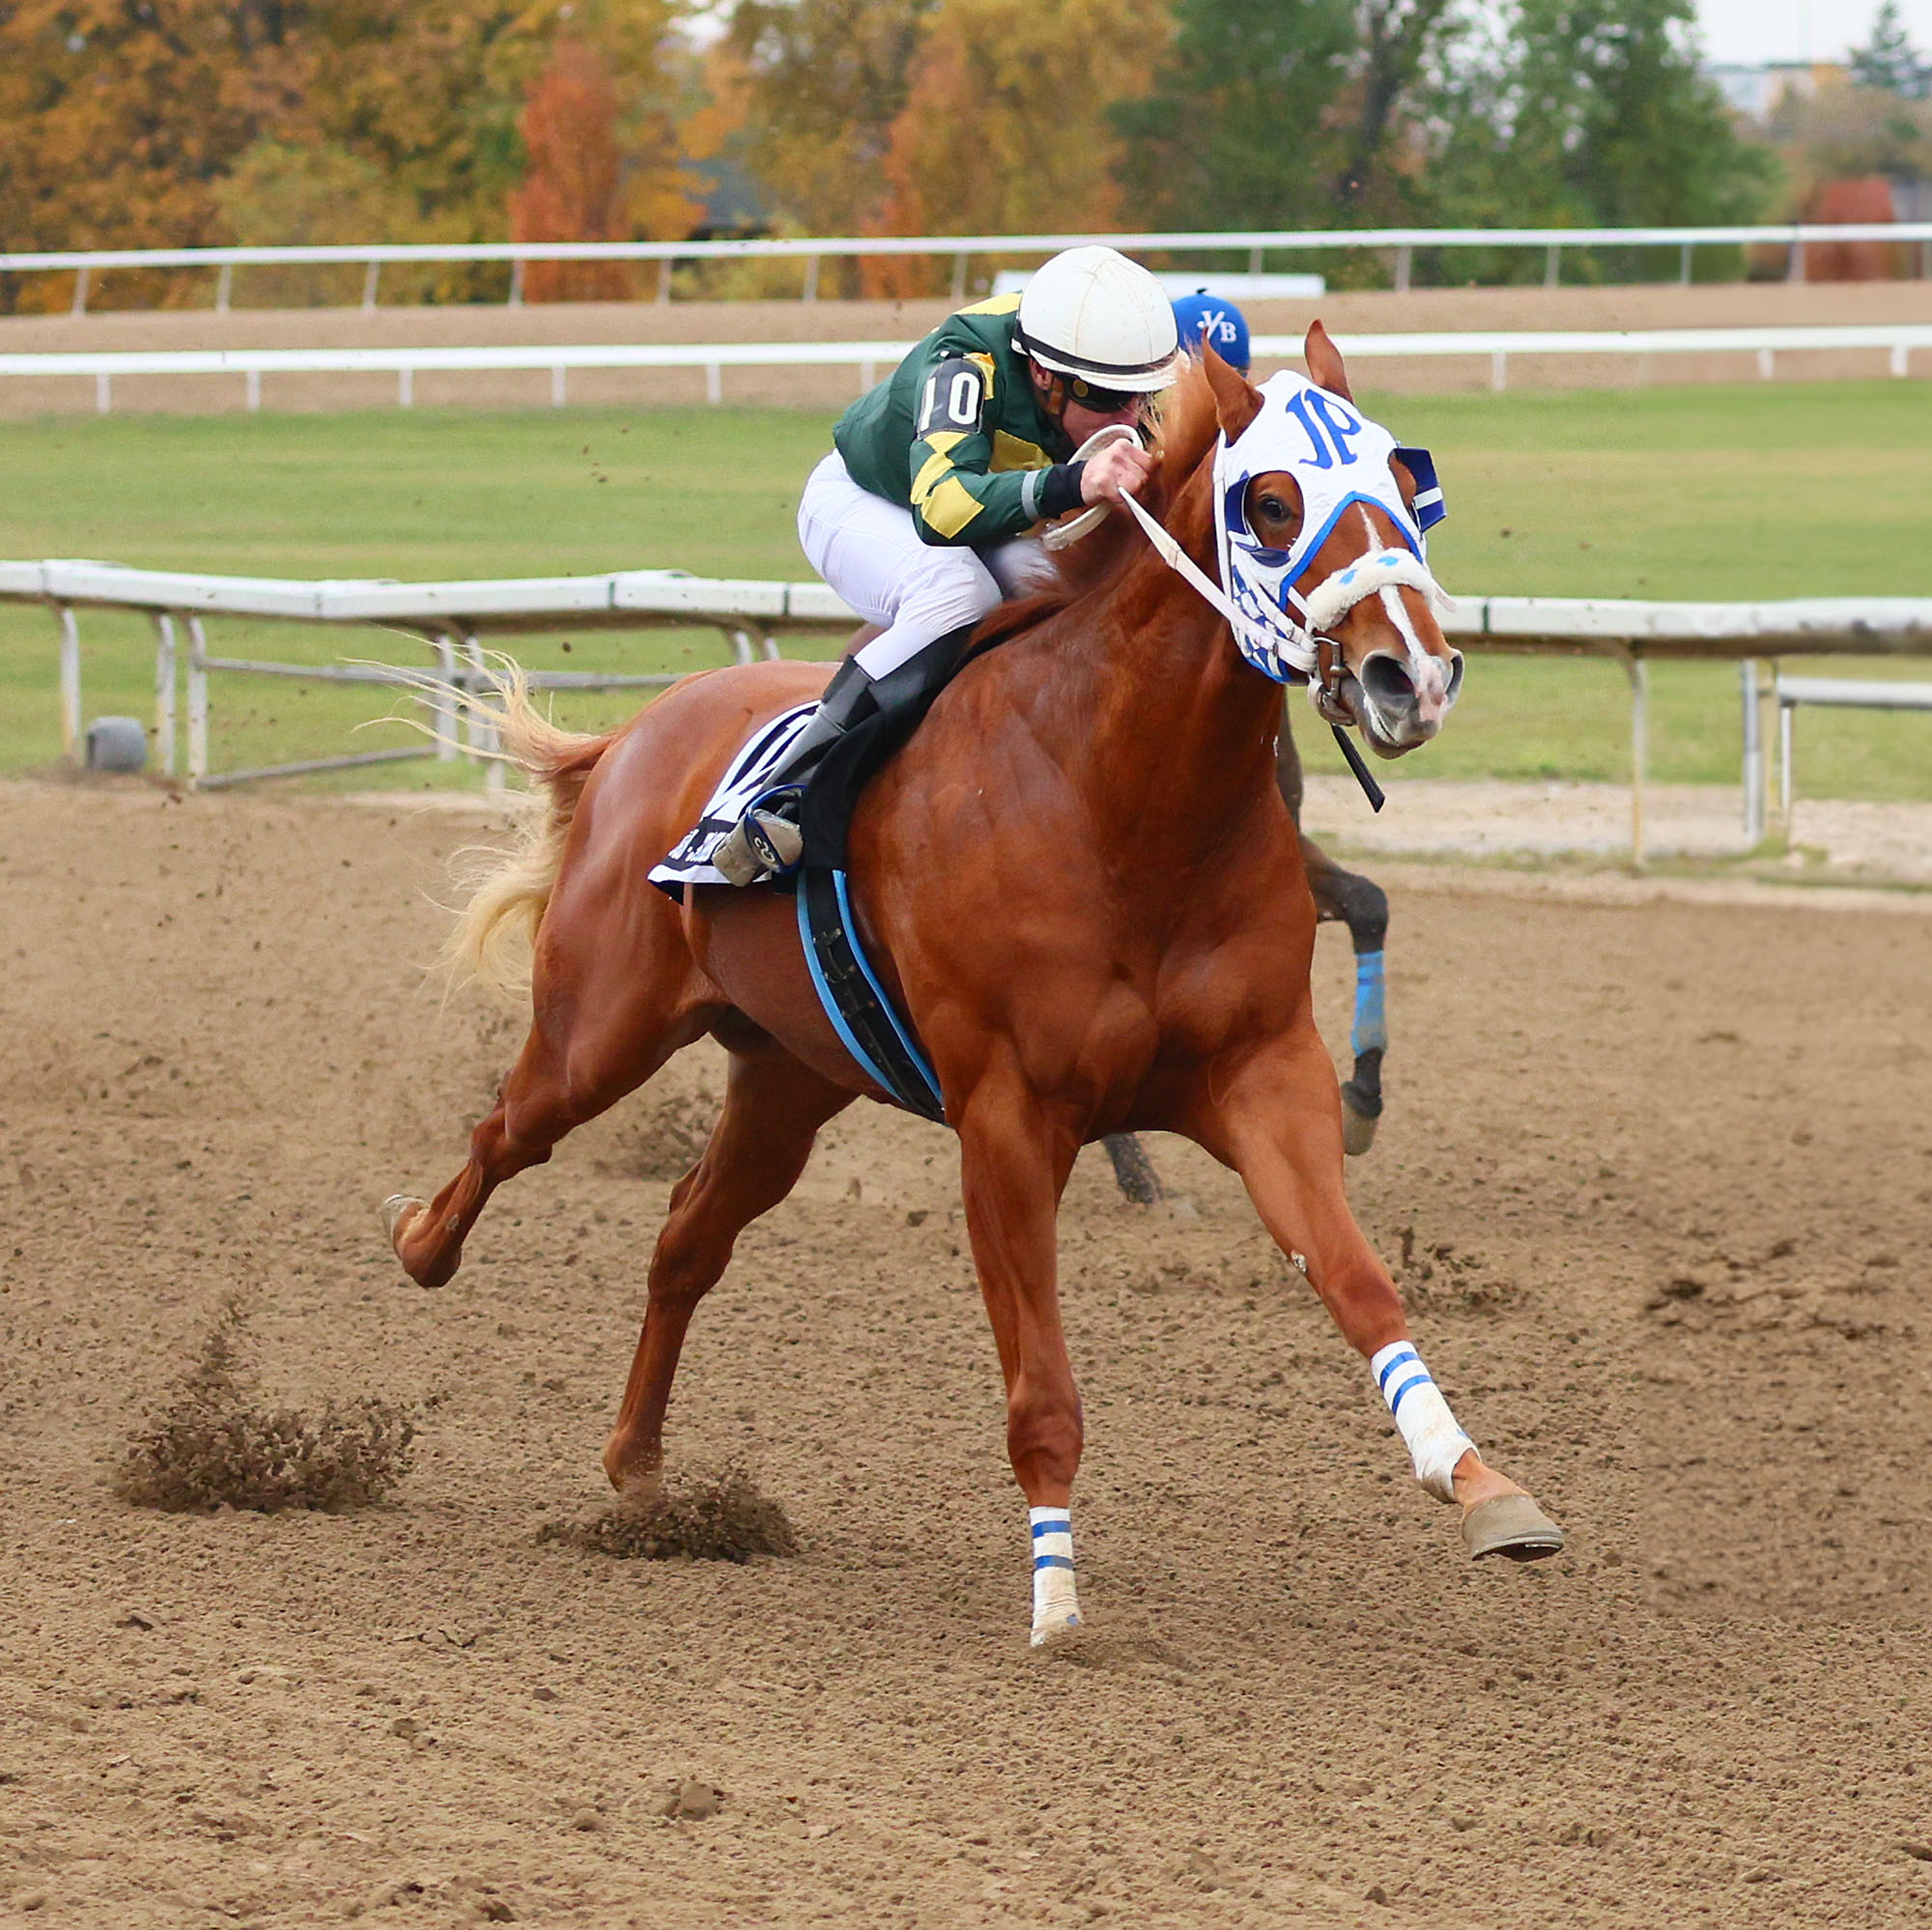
pixel 1684 267
pixel 517 283
pixel 70 682
pixel 1754 773
pixel 664 266
pixel 371 276
pixel 1786 713
pixel 485 744
pixel 80 290
pixel 165 692
pixel 1640 682
pixel 1404 264
pixel 445 706
pixel 1553 264
pixel 958 282
pixel 197 702
pixel 224 289
pixel 811 278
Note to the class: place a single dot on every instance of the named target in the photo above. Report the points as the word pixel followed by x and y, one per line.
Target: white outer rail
pixel 1898 339
pixel 810 250
pixel 1838 693
pixel 750 612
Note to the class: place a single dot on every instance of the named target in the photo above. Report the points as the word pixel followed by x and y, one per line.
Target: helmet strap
pixel 1054 395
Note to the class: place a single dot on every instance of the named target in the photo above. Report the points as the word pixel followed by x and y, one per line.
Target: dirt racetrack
pixel 1661 1173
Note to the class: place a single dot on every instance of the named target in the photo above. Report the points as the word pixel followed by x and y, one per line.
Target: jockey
pixel 1204 318
pixel 918 517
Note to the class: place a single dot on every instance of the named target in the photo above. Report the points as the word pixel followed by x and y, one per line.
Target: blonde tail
pixel 509 889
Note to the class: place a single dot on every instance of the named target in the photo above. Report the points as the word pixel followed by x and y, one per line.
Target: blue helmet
pixel 1202 317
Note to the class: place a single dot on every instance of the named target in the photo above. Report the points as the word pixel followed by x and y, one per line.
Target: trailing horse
pixel 1081 886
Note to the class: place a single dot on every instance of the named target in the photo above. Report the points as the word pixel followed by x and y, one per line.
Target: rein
pixel 1330 661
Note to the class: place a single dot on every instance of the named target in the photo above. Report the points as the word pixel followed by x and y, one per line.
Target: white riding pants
pixel 868 549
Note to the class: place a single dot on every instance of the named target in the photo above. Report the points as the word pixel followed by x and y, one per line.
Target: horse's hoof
pixel 398 1210
pixel 1511 1526
pixel 1057 1628
pixel 1358 1131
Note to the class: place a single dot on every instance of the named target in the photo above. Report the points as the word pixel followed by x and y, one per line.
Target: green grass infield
pixel 1703 492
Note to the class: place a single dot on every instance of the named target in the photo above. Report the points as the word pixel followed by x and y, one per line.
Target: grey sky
pixel 1754 31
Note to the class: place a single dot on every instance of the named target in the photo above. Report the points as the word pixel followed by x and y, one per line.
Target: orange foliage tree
pixel 1006 127
pixel 180 123
pixel 574 188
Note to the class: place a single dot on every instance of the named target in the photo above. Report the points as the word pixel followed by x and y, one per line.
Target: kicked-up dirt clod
pixel 719 1516
pixel 215 1445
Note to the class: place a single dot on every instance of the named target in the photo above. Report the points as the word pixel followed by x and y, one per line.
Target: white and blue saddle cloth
pixel 747 779
pixel 862 1012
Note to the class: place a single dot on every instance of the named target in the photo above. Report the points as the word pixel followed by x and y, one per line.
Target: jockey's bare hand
pixel 1117 470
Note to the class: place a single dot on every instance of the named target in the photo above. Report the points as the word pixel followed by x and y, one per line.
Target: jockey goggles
pixel 1338 459
pixel 1102 401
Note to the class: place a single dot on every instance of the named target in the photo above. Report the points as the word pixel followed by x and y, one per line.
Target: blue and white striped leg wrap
pixel 1371 1030
pixel 1434 1441
pixel 1055 1606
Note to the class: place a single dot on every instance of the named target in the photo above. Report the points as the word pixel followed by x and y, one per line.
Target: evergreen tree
pixel 1232 132
pixel 1889 62
pixel 1593 113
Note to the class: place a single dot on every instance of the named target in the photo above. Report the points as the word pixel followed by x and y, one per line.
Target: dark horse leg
pixel 1362 905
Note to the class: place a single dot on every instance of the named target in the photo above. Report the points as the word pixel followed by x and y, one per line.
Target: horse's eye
pixel 1274 509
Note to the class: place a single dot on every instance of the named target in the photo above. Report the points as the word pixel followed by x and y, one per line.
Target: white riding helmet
pixel 1094 313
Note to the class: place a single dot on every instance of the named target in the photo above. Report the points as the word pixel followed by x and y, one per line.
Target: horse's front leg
pixel 1014 1163
pixel 1277 1122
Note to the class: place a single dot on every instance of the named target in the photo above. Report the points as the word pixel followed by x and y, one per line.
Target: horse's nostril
pixel 1454 689
pixel 1387 680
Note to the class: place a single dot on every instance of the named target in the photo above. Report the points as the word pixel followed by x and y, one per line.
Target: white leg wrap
pixel 1434 1441
pixel 1055 1606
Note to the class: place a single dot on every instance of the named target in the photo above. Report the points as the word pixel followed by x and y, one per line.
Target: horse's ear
pixel 1237 400
pixel 1325 362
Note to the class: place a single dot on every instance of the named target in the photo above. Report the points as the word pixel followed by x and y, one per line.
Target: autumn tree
pixel 117 121
pixel 1006 128
pixel 825 81
pixel 188 122
pixel 573 187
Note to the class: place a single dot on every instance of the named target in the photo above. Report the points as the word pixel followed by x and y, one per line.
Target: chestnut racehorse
pixel 1080 883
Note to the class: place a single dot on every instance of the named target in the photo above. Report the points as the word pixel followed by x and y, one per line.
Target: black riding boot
pixel 768 838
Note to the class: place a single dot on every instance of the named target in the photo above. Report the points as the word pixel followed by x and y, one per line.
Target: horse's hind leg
pixel 773 1107
pixel 608 1012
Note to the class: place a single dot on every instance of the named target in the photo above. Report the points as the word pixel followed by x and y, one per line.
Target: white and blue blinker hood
pixel 1340 460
